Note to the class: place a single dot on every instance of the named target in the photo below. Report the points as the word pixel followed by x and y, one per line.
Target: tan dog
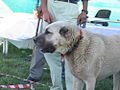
pixel 91 56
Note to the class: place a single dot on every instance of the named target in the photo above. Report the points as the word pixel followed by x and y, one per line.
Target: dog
pixel 90 56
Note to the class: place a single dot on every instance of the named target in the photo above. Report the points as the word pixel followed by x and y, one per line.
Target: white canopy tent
pixel 17 28
pixel 4 10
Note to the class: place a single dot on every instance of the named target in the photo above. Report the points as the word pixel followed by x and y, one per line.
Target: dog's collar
pixel 62 58
pixel 76 43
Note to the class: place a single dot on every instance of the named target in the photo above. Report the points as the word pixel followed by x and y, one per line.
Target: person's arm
pixel 83 15
pixel 46 14
pixel 44 5
pixel 85 5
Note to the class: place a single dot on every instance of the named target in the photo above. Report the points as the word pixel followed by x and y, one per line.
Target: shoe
pixel 32 79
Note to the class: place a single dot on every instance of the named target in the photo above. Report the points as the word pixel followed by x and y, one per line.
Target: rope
pixel 16 86
pixel 25 80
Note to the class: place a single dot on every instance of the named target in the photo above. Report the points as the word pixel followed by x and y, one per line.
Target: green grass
pixel 20 68
pixel 14 63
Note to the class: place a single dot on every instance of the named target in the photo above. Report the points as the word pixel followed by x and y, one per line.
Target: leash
pixel 63 66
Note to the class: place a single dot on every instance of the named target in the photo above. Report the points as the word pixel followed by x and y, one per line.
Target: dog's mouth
pixel 45 46
pixel 48 49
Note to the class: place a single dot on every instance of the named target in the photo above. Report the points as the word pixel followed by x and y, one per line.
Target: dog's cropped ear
pixel 64 31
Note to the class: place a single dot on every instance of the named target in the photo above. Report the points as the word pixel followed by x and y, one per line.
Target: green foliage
pixel 14 52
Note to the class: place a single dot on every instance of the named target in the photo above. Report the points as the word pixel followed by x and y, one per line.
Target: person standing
pixel 58 10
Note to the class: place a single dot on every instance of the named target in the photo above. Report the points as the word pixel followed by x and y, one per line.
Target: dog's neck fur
pixel 75 45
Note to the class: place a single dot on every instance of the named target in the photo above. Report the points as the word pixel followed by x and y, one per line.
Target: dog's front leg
pixel 78 84
pixel 90 83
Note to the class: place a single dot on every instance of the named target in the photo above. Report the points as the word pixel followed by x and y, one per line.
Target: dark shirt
pixel 71 1
pixel 74 1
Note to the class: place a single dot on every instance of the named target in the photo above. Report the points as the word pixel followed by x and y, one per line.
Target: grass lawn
pixel 16 63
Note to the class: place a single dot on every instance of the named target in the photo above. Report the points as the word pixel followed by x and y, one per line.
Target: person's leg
pixel 37 64
pixel 38 60
pixel 68 77
pixel 54 63
pixel 71 12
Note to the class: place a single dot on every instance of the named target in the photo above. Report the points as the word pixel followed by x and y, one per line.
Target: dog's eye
pixel 63 31
pixel 47 32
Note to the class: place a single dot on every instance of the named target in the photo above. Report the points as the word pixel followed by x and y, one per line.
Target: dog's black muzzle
pixel 39 41
pixel 45 46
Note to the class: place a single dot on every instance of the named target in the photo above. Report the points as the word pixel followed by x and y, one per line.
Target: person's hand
pixel 82 18
pixel 39 12
pixel 47 16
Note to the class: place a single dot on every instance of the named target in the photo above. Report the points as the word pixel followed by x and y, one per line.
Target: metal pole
pixel 39 19
pixel 5 46
pixel 37 27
